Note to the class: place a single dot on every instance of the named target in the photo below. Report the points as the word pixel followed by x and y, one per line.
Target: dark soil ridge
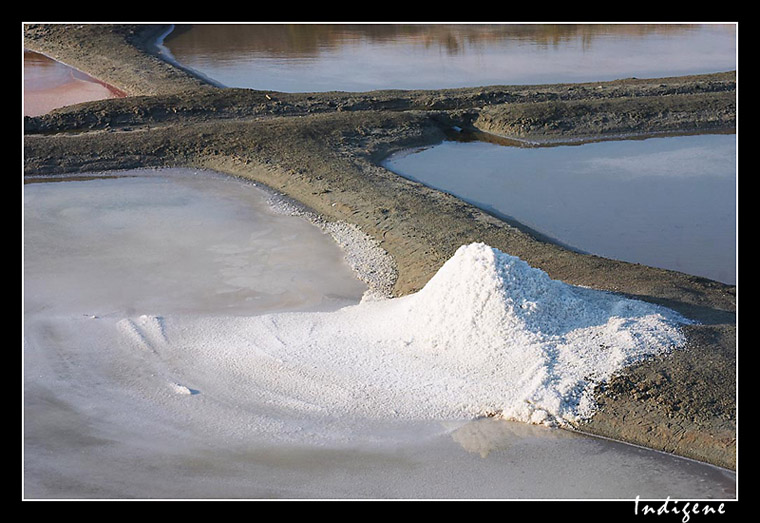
pixel 325 149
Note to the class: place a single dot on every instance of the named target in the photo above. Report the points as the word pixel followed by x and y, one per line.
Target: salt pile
pixel 488 335
pixel 551 342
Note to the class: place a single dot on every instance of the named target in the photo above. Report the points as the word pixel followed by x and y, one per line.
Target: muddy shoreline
pixel 325 150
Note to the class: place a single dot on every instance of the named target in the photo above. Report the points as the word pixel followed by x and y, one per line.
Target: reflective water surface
pixel 351 57
pixel 664 202
pixel 49 84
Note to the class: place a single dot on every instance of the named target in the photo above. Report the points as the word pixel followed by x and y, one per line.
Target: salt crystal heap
pixel 487 335
pixel 551 342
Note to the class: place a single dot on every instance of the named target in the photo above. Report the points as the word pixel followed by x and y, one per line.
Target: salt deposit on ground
pixel 488 335
pixel 137 387
pixel 370 262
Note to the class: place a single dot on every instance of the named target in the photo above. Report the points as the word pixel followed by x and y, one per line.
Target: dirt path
pixel 324 150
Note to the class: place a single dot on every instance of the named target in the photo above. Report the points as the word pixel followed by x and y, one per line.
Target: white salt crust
pixel 487 336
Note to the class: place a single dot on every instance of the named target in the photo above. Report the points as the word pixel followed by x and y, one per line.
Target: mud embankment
pixel 325 149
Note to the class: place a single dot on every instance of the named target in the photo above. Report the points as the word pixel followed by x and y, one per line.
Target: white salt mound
pixel 551 342
pixel 488 335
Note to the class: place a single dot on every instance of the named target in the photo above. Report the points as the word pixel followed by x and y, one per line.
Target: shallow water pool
pixel 49 84
pixel 174 241
pixel 667 202
pixel 363 57
pixel 120 273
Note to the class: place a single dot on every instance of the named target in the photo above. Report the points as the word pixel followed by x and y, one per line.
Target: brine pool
pixel 183 338
pixel 49 84
pixel 303 57
pixel 666 202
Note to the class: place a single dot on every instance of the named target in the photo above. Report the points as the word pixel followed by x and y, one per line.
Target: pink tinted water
pixel 49 85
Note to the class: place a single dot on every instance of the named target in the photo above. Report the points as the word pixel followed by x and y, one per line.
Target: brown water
pixel 351 57
pixel 49 84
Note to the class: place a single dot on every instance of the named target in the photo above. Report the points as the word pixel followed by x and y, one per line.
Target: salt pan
pixel 488 335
